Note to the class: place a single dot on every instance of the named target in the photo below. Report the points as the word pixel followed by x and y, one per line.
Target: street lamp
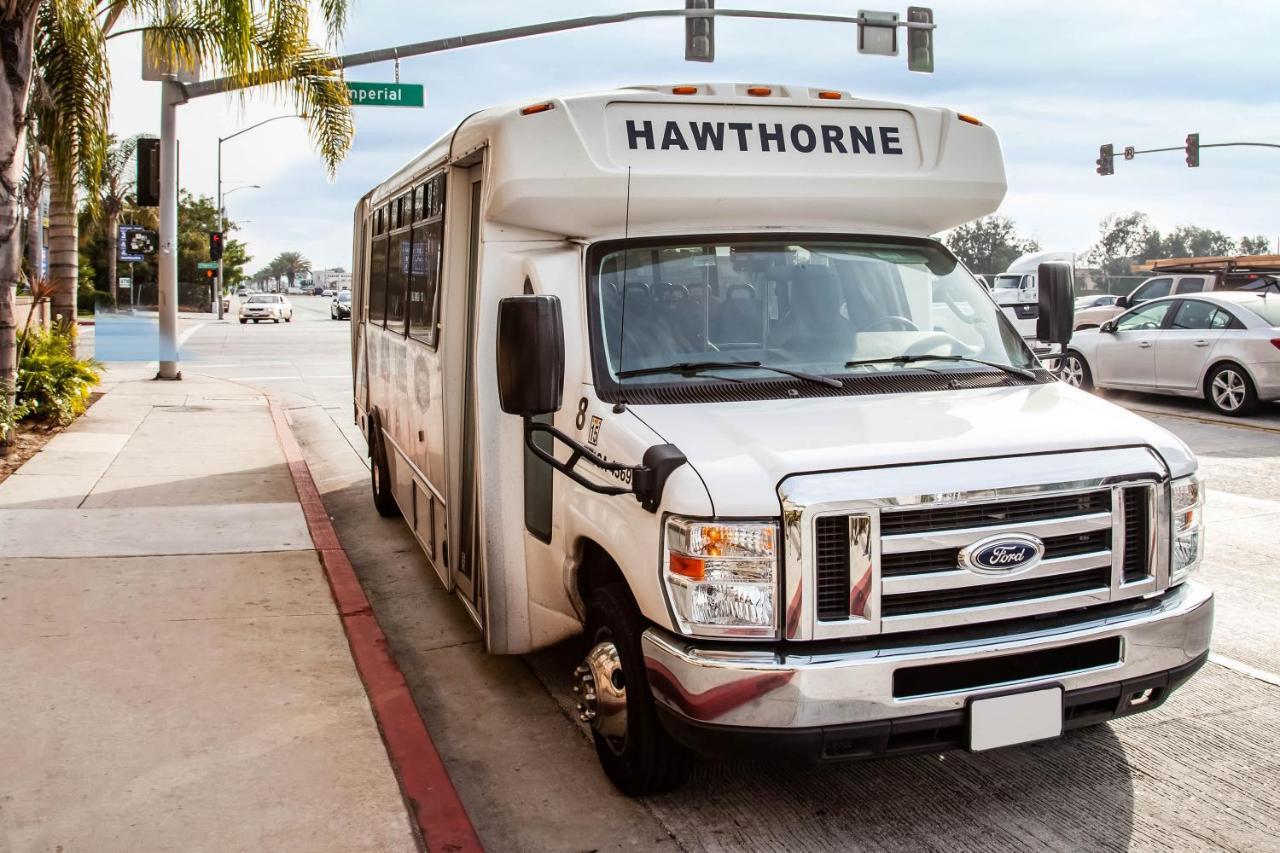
pixel 222 139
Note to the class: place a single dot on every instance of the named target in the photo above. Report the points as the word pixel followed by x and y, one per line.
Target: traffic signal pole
pixel 174 93
pixel 1191 149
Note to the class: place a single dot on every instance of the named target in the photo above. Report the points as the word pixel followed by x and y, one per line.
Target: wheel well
pixel 596 569
pixel 1084 326
pixel 1208 374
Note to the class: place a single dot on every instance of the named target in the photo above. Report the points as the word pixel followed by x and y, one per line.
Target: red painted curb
pixel 432 800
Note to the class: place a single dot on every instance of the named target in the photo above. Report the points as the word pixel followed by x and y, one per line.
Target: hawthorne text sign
pixel 386 94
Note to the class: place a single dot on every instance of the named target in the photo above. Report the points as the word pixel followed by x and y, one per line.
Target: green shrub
pixel 88 299
pixel 52 383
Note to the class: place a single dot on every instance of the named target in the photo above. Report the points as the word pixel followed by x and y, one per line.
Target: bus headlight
pixel 1187 527
pixel 721 577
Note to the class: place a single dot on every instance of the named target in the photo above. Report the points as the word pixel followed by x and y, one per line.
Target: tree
pixel 289 265
pixel 1258 245
pixel 1191 241
pixel 988 245
pixel 255 42
pixel 1125 239
pixel 70 109
pixel 112 186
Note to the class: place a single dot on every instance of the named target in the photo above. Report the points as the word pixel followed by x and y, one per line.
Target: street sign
pixel 135 243
pixel 386 94
pixel 125 283
pixel 207 265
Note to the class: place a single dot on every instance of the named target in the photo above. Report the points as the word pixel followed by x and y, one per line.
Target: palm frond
pixel 71 58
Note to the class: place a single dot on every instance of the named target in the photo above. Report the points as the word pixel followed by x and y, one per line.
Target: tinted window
pixel 424 281
pixel 1153 289
pixel 398 253
pixel 1143 318
pixel 378 281
pixel 1194 314
pixel 1191 285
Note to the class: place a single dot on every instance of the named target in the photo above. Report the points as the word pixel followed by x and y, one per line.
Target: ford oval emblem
pixel 1006 554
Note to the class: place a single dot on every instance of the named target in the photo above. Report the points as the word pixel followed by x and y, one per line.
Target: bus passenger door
pixel 465 567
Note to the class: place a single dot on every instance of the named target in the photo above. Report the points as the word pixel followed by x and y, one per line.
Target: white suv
pixel 266 306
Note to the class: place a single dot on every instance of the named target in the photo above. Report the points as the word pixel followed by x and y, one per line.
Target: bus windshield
pixel 829 307
pixel 1008 282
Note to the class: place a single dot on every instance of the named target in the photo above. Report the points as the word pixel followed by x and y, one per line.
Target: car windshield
pixel 1266 307
pixel 1008 282
pixel 263 298
pixel 344 296
pixel 825 307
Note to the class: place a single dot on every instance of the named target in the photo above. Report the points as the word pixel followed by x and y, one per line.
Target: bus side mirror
pixel 530 355
pixel 1057 304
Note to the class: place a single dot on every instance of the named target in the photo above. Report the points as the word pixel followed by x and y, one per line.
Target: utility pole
pixel 170 97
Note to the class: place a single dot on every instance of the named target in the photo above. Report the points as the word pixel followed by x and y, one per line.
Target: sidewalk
pixel 174 674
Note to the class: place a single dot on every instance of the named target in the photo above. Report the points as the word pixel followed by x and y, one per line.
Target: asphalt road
pixel 1199 773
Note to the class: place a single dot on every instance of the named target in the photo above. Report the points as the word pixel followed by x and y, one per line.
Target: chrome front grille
pixel 1098 544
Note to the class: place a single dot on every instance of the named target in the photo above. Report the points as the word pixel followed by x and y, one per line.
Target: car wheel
pixel 380 476
pixel 613 696
pixel 1075 371
pixel 289 319
pixel 255 321
pixel 275 319
pixel 1230 391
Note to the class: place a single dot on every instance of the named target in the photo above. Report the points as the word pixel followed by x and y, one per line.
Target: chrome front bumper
pixel 842 683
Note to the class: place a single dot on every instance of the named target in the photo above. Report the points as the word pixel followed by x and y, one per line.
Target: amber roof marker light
pixel 759 91
pixel 684 90
pixel 534 109
pixel 969 119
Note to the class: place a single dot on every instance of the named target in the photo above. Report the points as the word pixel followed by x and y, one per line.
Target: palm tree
pixel 113 186
pixel 256 42
pixel 290 264
pixel 34 179
pixel 70 108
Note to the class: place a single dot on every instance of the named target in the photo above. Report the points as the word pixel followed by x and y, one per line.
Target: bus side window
pixel 399 250
pixel 377 285
pixel 424 283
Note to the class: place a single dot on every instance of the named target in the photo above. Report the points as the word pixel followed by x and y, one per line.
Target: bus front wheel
pixel 380 476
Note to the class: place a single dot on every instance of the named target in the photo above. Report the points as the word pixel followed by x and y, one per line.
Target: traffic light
pixel 210 275
pixel 700 33
pixel 1193 150
pixel 215 245
pixel 148 177
pixel 920 42
pixel 1106 160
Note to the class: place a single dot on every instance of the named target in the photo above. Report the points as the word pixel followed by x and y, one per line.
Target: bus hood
pixel 742 450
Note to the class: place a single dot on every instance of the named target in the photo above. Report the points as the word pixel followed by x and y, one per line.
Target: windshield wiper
pixel 909 359
pixel 692 368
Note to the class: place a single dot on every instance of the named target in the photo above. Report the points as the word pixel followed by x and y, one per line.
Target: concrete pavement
pixel 175 675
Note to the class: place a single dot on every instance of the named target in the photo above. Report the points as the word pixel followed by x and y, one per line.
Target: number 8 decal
pixel 581 420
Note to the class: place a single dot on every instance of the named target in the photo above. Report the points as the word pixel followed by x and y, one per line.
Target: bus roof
pixel 724 157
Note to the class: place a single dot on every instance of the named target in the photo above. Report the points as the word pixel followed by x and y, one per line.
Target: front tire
pixel 243 321
pixel 380 476
pixel 1075 371
pixel 636 752
pixel 1230 391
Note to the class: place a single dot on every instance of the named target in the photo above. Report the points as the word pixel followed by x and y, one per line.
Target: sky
pixel 1055 80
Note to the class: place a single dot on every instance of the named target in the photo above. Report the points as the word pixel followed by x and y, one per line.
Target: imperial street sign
pixel 386 94
pixel 207 265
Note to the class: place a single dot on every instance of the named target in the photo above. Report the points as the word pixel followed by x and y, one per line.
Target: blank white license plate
pixel 1019 718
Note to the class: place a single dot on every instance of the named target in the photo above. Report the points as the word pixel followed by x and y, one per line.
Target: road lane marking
pixel 1245 669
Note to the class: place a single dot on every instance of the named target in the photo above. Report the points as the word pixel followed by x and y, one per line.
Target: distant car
pixel 327 292
pixel 266 306
pixel 1221 347
pixel 242 293
pixel 340 308
pixel 317 291
pixel 1097 300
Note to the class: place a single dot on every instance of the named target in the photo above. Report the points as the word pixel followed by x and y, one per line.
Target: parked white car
pixel 266 306
pixel 1223 347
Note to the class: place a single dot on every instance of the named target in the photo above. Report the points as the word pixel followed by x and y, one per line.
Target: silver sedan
pixel 1223 347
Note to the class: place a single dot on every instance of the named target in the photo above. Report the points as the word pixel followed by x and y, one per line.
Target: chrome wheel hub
pixel 1072 372
pixel 601 691
pixel 1228 389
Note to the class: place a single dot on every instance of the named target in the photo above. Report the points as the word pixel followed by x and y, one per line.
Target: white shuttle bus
pixel 682 368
